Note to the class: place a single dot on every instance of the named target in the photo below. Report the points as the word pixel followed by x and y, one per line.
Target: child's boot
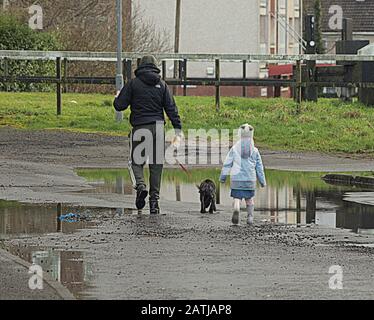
pixel 235 216
pixel 250 210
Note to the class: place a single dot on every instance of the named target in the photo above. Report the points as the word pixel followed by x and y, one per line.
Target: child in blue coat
pixel 244 164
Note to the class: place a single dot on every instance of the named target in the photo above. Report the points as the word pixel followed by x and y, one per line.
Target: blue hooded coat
pixel 244 164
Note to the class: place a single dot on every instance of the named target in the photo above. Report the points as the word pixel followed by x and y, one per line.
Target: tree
pixel 15 35
pixel 320 49
pixel 144 36
pixel 90 25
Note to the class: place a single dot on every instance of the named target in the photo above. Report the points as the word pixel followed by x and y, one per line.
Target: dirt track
pixel 182 254
pixel 95 150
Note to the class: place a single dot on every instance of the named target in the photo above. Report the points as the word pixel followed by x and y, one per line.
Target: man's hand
pixel 118 92
pixel 177 140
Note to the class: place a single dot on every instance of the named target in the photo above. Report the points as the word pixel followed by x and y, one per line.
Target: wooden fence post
pixel 65 90
pixel 128 70
pixel 218 91
pixel 298 86
pixel 175 76
pixel 164 70
pixel 58 85
pixel 311 91
pixel 185 77
pixel 244 77
pixel 6 73
pixel 124 73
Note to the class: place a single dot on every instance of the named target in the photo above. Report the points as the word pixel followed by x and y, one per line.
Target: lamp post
pixel 119 72
pixel 177 39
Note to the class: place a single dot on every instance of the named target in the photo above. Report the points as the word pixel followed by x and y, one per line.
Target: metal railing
pixel 111 56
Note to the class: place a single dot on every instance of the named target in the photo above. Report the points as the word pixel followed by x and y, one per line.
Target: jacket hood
pixel 149 74
pixel 245 147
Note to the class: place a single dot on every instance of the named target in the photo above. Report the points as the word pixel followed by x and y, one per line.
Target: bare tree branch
pixel 90 25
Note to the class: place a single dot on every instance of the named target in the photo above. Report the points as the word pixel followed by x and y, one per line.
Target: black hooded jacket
pixel 149 97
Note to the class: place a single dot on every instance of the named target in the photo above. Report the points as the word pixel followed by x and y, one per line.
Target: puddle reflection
pixel 294 198
pixel 67 267
pixel 30 219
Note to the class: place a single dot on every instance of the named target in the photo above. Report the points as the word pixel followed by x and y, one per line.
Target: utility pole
pixel 177 38
pixel 301 17
pixel 286 27
pixel 119 75
pixel 267 27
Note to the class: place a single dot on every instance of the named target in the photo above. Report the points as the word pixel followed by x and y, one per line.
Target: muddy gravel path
pixel 95 150
pixel 186 255
pixel 182 254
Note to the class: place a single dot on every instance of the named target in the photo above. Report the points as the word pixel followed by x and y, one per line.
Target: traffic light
pixel 310 33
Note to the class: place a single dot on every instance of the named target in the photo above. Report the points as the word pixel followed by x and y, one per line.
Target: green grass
pixel 9 204
pixel 326 126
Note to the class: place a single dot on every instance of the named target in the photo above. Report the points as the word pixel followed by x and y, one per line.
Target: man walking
pixel 149 98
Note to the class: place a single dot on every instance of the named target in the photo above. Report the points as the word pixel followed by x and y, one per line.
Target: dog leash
pixel 183 167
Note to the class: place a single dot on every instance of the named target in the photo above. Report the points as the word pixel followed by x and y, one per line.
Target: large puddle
pixel 20 220
pixel 296 198
pixel 292 198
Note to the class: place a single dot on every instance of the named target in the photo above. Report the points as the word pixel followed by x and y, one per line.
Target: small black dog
pixel 207 191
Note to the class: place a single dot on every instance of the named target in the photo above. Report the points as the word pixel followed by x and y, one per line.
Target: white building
pixel 236 26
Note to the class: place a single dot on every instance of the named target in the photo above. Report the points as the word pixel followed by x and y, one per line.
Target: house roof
pixel 360 11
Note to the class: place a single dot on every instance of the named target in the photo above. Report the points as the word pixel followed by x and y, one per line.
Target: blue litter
pixel 70 217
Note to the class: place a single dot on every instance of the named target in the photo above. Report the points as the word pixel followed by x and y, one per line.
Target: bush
pixel 15 35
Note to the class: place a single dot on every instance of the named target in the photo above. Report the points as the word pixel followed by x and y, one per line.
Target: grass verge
pixel 326 126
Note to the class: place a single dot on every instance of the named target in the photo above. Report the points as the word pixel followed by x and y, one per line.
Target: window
pixel 282 4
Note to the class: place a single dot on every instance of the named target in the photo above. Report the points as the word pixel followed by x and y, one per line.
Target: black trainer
pixel 141 195
pixel 154 207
